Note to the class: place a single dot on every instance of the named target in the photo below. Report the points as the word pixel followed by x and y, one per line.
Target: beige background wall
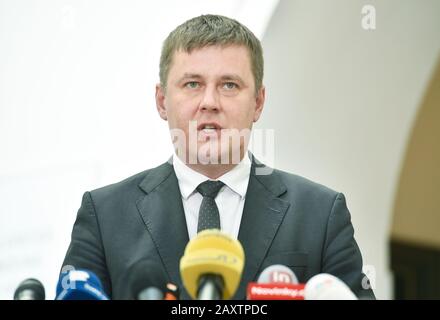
pixel 416 215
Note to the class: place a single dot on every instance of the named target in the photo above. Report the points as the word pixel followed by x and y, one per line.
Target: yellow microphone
pixel 212 265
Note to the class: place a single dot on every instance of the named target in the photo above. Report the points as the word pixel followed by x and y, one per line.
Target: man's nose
pixel 210 99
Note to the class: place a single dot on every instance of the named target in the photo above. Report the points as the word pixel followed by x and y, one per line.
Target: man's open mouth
pixel 209 129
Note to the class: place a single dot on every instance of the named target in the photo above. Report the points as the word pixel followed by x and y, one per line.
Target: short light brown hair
pixel 211 30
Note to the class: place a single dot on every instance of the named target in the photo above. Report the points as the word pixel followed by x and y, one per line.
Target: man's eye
pixel 230 85
pixel 192 85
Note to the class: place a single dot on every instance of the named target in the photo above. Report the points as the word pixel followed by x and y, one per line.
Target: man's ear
pixel 160 102
pixel 260 98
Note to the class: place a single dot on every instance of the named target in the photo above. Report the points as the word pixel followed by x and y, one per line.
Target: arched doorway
pixel 415 240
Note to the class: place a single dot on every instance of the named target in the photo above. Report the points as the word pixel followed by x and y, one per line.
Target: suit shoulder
pixel 122 189
pixel 312 200
pixel 303 186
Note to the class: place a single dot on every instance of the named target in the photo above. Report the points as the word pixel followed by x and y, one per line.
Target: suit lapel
pixel 262 215
pixel 162 212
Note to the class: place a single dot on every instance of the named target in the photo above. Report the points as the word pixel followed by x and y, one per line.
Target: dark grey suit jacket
pixel 286 220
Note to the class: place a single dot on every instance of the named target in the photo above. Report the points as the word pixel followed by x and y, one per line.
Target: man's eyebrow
pixel 189 76
pixel 232 77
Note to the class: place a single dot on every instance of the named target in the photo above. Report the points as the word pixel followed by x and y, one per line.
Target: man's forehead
pixel 195 62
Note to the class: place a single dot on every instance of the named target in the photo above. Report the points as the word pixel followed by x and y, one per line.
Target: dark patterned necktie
pixel 209 217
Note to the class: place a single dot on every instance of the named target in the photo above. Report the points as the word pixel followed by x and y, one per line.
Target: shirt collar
pixel 237 179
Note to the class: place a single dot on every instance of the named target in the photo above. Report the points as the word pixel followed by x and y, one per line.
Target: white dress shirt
pixel 229 200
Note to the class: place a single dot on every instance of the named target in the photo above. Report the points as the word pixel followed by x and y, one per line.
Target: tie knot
pixel 210 188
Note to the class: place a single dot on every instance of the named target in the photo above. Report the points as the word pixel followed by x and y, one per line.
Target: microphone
pixel 277 273
pixel 172 292
pixel 276 282
pixel 211 266
pixel 325 286
pixel 146 281
pixel 79 285
pixel 30 289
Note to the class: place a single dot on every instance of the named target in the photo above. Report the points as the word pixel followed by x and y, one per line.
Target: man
pixel 210 93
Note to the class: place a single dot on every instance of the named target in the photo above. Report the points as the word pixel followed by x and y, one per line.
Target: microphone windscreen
pixel 79 285
pixel 327 287
pixel 212 252
pixel 30 289
pixel 277 273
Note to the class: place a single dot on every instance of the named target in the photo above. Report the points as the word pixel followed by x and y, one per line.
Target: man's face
pixel 212 88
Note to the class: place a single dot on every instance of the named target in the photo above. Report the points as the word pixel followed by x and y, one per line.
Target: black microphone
pixel 211 287
pixel 146 280
pixel 30 289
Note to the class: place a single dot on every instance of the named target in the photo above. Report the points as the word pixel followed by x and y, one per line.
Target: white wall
pixel 77 112
pixel 343 101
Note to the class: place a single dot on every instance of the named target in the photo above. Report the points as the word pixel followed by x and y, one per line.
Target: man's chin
pixel 217 158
